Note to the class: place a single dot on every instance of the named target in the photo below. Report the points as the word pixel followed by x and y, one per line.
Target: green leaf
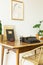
pixel 36 26
pixel 40 32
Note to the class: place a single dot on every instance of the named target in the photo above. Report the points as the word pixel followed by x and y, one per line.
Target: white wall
pixel 33 13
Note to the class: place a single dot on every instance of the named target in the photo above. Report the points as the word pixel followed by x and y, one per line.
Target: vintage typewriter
pixel 29 39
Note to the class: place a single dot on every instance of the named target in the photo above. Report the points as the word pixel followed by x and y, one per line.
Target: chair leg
pixel 41 57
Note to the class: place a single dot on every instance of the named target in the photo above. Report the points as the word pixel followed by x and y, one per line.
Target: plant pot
pixel 41 38
pixel 37 36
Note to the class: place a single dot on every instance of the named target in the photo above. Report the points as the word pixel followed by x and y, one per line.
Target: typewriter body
pixel 29 39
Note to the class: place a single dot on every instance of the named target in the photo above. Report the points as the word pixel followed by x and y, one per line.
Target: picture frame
pixel 17 10
pixel 9 34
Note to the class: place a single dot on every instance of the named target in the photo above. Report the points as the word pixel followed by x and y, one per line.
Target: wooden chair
pixel 34 59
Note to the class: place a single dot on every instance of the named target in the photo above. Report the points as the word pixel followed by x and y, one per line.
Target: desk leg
pixel 2 55
pixel 17 56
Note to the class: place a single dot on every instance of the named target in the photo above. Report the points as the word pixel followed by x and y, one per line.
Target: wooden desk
pixel 18 48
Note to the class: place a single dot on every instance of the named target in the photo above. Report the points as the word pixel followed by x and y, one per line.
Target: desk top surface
pixel 16 45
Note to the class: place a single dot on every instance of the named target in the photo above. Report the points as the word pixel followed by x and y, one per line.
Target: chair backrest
pixel 9 33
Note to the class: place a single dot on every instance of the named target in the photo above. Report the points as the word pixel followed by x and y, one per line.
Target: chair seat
pixel 34 59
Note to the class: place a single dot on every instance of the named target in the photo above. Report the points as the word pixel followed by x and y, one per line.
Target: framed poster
pixel 17 10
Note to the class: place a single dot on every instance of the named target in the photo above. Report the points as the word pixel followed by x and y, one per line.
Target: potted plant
pixel 40 32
